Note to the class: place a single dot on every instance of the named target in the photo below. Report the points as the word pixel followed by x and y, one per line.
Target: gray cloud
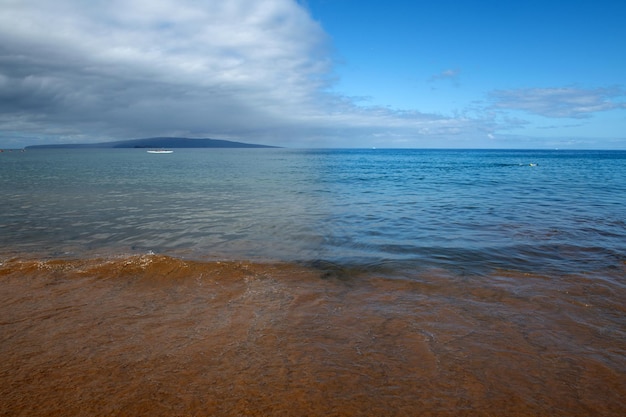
pixel 76 70
pixel 567 102
pixel 261 71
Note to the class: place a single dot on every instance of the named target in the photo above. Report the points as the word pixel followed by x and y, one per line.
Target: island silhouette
pixel 157 142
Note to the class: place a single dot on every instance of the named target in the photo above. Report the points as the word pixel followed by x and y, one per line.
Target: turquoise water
pixel 468 210
pixel 409 282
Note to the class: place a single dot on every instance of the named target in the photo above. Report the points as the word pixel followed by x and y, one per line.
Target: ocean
pixel 313 282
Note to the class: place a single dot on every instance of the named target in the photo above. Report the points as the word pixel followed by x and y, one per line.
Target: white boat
pixel 160 151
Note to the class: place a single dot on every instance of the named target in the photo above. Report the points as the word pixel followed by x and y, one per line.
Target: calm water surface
pixel 557 210
pixel 313 282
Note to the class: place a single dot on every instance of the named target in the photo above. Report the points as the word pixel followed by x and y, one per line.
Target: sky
pixel 316 73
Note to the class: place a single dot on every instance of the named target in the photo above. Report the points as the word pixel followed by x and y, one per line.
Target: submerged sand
pixel 158 336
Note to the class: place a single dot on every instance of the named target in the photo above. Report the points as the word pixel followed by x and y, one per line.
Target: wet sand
pixel 158 336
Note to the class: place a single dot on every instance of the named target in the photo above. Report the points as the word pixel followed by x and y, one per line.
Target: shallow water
pixel 475 210
pixel 294 282
pixel 153 335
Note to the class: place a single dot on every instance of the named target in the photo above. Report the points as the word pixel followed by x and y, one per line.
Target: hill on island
pixel 160 142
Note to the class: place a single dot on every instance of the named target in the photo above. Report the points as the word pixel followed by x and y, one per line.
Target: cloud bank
pixel 76 71
pixel 255 71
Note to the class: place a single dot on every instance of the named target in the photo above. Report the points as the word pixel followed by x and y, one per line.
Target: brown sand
pixel 157 336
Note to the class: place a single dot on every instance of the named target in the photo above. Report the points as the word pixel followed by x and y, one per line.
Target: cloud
pixel 157 64
pixel 449 74
pixel 72 70
pixel 258 71
pixel 566 102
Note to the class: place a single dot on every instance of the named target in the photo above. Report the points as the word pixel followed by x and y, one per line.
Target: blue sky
pixel 315 73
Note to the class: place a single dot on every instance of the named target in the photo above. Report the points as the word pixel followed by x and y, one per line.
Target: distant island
pixel 160 142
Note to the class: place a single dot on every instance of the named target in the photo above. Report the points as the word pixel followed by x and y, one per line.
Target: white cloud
pixel 449 74
pixel 566 102
pixel 256 71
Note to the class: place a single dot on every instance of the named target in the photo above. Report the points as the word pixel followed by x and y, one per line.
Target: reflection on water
pixel 153 335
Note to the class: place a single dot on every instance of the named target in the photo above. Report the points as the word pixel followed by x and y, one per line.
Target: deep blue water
pixel 463 209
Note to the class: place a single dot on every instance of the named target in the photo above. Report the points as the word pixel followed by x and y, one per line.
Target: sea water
pixel 524 210
pixel 313 282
